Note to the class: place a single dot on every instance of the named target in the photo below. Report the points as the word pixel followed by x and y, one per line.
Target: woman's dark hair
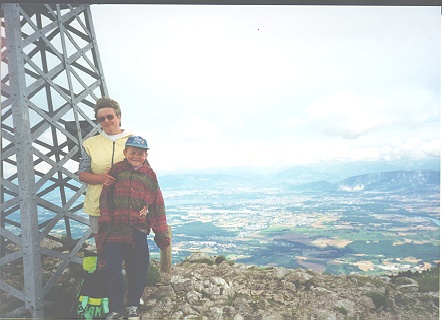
pixel 107 102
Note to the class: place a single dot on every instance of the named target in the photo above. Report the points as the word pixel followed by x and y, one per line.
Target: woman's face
pixel 109 120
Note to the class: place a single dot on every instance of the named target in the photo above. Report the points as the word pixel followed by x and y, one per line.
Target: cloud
pixel 351 115
pixel 414 148
pixel 411 105
pixel 196 130
pixel 343 115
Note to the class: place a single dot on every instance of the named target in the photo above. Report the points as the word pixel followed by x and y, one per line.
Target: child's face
pixel 135 156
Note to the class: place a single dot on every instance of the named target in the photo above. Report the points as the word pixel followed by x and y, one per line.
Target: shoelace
pixel 132 310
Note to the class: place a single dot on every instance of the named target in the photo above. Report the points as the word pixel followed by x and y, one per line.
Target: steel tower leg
pixel 51 76
pixel 33 289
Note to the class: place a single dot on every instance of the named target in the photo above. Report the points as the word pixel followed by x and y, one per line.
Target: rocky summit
pixel 205 287
pixel 209 287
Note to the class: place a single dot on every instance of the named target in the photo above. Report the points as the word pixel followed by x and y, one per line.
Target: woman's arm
pixel 85 174
pixel 92 178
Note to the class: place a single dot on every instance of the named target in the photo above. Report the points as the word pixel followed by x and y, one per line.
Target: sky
pixel 222 86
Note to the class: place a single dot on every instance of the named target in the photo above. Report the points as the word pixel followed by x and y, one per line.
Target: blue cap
pixel 137 141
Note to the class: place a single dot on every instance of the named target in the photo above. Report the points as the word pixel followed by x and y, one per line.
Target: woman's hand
pixel 143 212
pixel 107 180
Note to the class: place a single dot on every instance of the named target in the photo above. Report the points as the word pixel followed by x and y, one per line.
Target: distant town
pixel 332 231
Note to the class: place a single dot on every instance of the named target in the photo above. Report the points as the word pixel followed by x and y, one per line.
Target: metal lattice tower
pixel 51 77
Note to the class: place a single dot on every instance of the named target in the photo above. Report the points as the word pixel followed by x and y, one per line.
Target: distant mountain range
pixel 356 176
pixel 329 171
pixel 390 180
pixel 381 181
pixel 337 171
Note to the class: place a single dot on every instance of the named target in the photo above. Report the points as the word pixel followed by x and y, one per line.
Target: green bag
pixel 92 297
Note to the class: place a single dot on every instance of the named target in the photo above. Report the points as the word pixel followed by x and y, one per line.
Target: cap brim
pixel 137 146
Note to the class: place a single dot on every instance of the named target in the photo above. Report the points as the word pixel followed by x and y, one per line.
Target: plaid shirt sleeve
pixel 157 214
pixel 157 221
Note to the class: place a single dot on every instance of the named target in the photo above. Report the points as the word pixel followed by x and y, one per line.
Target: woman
pixel 99 154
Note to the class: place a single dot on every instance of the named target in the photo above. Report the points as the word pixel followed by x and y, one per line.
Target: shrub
pixel 342 310
pixel 428 284
pixel 153 275
pixel 378 298
pixel 401 281
pixel 219 259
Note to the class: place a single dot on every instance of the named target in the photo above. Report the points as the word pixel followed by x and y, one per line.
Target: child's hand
pixel 143 211
pixel 162 241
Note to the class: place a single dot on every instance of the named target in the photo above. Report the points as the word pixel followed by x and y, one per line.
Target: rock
pixel 198 256
pixel 217 281
pixel 217 313
pixel 238 317
pixel 240 292
pixel 193 296
pixel 366 302
pixel 241 303
pixel 280 273
pixel 325 315
pixel 407 284
pixel 346 305
pixel 182 284
pixel 300 277
pixel 163 292
pixel 321 291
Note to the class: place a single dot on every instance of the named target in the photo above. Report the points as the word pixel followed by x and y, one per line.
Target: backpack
pixel 92 297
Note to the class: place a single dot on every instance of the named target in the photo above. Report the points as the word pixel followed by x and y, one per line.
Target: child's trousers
pixel 136 261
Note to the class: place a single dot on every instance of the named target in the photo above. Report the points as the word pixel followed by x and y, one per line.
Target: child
pixel 129 210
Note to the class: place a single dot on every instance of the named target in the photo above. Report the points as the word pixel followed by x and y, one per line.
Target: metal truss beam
pixel 51 75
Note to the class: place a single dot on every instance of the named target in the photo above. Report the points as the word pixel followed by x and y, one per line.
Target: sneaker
pixel 114 315
pixel 132 313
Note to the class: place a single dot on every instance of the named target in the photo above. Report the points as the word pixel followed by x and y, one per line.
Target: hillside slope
pixel 204 287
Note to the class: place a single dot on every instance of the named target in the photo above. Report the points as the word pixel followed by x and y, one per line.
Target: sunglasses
pixel 108 117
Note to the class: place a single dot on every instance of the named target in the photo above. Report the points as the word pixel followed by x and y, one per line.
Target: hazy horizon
pixel 429 163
